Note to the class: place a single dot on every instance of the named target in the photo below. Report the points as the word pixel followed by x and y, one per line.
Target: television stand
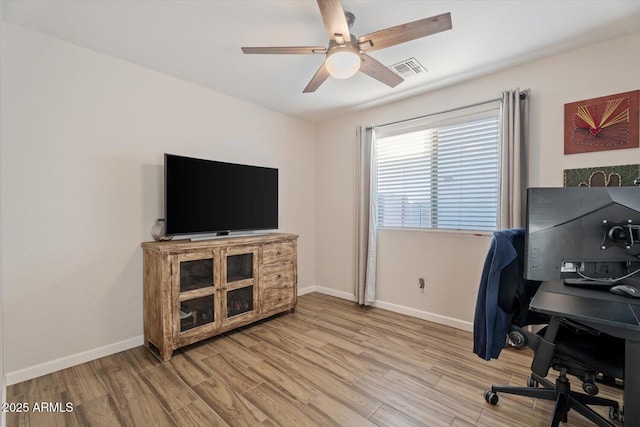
pixel 195 290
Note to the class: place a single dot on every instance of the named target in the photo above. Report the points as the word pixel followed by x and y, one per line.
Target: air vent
pixel 408 68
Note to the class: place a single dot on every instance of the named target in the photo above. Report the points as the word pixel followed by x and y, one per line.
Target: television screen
pixel 206 196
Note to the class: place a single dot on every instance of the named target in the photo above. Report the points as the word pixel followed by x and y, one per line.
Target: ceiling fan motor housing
pixel 351 18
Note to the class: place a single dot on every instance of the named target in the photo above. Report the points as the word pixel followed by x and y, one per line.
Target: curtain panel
pixel 514 161
pixel 367 230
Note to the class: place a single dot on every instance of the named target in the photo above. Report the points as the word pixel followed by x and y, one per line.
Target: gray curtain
pixel 367 228
pixel 514 173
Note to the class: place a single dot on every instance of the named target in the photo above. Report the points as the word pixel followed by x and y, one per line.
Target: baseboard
pixel 420 314
pixel 306 290
pixel 334 293
pixel 425 315
pixel 75 359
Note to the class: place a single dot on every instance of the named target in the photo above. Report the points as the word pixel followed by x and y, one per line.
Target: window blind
pixel 442 173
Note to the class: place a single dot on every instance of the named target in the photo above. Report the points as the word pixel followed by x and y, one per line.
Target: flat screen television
pixel 206 196
pixel 588 232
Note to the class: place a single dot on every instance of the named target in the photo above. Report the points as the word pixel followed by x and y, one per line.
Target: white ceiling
pixel 199 41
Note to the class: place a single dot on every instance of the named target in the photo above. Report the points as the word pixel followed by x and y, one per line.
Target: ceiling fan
pixel 346 55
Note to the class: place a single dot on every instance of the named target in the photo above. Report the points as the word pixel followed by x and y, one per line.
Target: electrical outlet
pixel 422 284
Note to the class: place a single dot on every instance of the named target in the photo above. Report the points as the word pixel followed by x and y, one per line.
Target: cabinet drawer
pixel 274 274
pixel 277 252
pixel 276 298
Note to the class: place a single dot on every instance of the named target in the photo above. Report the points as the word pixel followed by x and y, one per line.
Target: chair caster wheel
pixel 616 415
pixel 531 382
pixel 517 338
pixel 491 397
pixel 590 388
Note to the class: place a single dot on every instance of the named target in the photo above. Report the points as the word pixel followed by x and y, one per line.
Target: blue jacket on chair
pixel 491 323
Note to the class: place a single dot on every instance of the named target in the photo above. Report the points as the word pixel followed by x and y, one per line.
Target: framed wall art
pixel 605 123
pixel 602 176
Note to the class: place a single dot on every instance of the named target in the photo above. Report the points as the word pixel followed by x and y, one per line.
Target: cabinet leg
pixel 165 354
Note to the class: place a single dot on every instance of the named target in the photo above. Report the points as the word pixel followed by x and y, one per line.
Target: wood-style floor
pixel 330 363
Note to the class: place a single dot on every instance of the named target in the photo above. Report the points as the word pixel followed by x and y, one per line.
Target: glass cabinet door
pixel 239 267
pixel 239 301
pixel 196 274
pixel 196 287
pixel 197 312
pixel 239 283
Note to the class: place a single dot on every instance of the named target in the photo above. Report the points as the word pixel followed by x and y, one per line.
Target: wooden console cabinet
pixel 195 290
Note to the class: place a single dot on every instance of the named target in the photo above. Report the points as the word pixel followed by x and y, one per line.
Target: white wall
pixel 83 142
pixel 452 263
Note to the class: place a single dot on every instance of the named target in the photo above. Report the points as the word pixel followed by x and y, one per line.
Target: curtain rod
pixel 523 95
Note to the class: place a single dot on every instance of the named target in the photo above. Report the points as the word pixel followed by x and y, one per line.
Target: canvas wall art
pixel 604 176
pixel 605 123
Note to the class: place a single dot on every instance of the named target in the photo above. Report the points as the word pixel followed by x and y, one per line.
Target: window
pixel 441 172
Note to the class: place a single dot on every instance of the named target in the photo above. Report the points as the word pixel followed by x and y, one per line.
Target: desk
pixel 612 314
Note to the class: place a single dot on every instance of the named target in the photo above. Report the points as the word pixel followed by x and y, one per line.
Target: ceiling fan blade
pixel 378 71
pixel 318 78
pixel 334 20
pixel 405 32
pixel 286 49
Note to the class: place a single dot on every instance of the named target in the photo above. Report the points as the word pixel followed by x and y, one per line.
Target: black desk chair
pixel 567 347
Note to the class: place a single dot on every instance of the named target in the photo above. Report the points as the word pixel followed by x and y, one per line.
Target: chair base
pixel 565 399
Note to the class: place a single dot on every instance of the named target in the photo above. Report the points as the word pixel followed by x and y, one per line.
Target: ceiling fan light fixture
pixel 343 61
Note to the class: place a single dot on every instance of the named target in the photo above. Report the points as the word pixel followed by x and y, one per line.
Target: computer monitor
pixel 589 232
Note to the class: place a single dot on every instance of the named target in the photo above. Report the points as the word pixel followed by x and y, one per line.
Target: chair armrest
pixel 546 349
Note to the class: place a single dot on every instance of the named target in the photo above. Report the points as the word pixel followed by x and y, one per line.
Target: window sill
pixel 440 231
